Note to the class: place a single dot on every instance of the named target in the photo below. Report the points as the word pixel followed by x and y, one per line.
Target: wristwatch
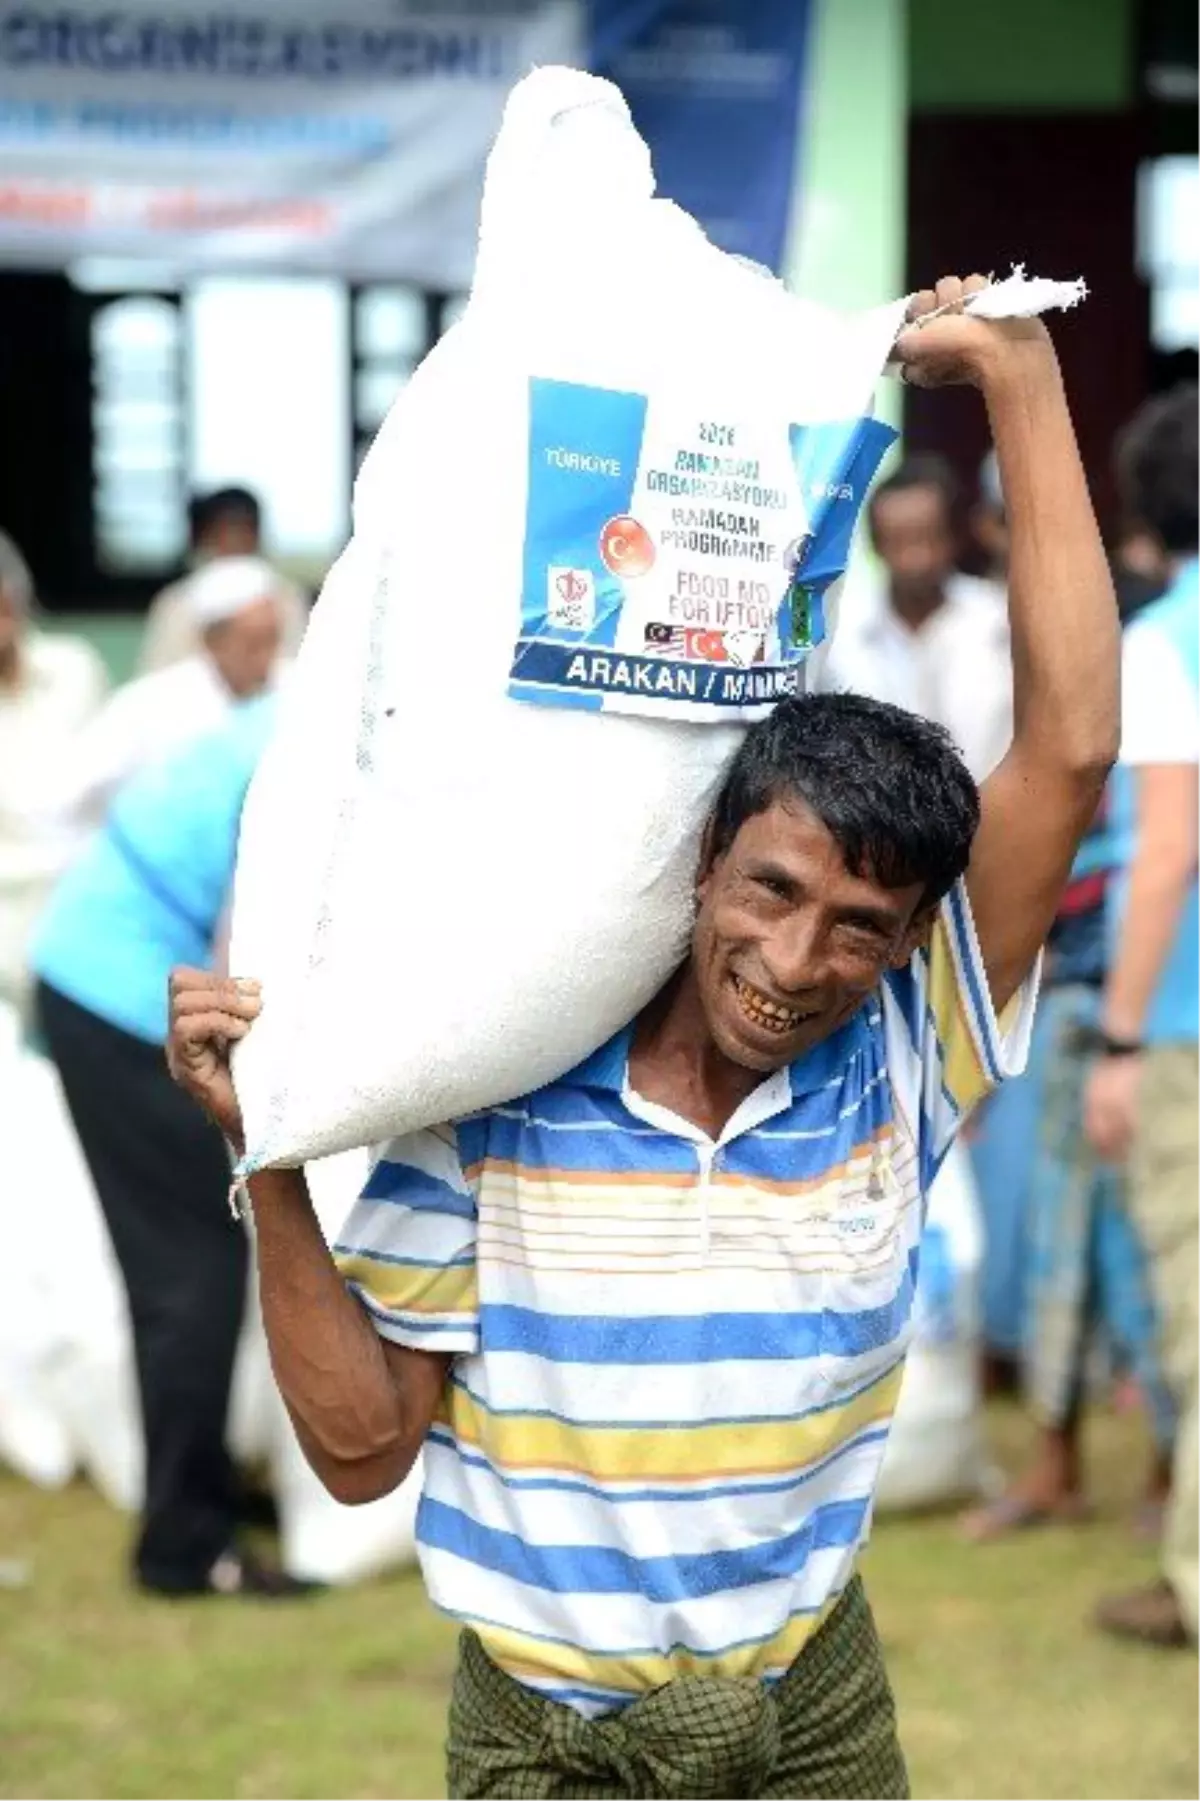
pixel 1096 1042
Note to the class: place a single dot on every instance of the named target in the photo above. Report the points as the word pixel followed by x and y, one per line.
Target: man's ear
pixel 915 936
pixel 708 859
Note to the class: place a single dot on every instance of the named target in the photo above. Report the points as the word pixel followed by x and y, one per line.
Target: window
pixel 269 403
pixel 138 476
pixel 1169 249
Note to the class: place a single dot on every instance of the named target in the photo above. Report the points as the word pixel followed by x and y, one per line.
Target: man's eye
pixel 865 931
pixel 773 885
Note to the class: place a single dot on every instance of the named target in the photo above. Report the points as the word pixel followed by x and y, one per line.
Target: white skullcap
pixel 225 587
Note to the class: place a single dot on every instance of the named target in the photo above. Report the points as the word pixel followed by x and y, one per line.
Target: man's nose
pixel 794 957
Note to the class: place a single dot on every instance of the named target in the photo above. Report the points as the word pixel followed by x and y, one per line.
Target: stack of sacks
pixel 68 1392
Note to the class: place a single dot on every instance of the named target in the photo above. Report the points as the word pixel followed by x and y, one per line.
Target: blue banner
pixel 716 89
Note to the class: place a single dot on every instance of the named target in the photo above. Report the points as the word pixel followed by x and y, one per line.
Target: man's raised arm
pixel 1039 802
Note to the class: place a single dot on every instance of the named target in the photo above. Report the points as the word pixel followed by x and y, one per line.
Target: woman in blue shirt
pixel 148 893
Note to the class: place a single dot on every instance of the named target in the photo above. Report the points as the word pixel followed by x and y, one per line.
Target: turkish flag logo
pixel 626 546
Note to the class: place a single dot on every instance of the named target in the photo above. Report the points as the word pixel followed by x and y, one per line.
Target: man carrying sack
pixel 648 1324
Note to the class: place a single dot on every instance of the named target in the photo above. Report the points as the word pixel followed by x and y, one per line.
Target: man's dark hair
pixel 207 510
pixel 1157 468
pixel 918 472
pixel 889 786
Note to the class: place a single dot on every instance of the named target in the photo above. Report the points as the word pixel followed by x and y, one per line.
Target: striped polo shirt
pixel 675 1358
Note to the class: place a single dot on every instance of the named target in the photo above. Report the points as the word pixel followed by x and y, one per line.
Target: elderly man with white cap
pixel 235 608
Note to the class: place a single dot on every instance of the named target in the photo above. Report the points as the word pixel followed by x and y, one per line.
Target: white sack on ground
pixel 595 537
pixel 68 1394
pixel 33 1440
pixel 936 1452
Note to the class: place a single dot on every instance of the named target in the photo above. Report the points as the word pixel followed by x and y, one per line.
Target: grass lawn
pixel 1004 1690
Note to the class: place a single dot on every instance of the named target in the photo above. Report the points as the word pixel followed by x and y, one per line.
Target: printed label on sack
pixel 674 563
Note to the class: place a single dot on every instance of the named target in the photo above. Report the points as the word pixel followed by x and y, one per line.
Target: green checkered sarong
pixel 827 1729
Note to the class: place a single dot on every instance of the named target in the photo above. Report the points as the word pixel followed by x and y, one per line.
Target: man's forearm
pixel 332 1370
pixel 1157 891
pixel 1062 609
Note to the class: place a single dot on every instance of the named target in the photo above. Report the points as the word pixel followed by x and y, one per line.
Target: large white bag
pixel 595 492
pixel 594 538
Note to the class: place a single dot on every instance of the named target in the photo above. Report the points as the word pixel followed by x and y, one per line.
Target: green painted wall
pixel 115 635
pixel 1053 55
pixel 846 246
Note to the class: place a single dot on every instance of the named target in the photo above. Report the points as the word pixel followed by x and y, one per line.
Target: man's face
pixel 245 647
pixel 233 534
pixel 788 944
pixel 911 531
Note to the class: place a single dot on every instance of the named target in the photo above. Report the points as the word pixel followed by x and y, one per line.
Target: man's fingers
pixel 219 997
pixel 924 302
pixel 949 291
pixel 196 1030
pixel 975 284
pixel 203 981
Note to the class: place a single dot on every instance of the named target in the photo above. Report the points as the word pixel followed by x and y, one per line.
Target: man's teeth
pixel 765 1012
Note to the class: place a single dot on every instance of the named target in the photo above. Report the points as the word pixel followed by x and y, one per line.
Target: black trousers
pixel 161 1171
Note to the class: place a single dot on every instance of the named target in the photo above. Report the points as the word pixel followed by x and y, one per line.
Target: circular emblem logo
pixel 626 546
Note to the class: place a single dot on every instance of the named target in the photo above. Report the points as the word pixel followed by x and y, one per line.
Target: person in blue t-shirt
pixel 149 892
pixel 1141 1101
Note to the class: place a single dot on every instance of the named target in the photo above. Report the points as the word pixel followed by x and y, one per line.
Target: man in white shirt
pixel 225 523
pixel 1141 1100
pixel 233 608
pixel 50 686
pixel 920 634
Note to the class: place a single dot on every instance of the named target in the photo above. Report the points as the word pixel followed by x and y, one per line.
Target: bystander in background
pixel 233 609
pixel 149 892
pixel 920 633
pixel 224 523
pixel 1142 1095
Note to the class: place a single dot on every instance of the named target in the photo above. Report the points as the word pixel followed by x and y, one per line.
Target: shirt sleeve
pixel 408 1248
pixel 1160 707
pixel 947 1047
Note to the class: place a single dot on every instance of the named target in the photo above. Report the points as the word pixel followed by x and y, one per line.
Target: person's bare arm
pixel 1162 870
pixel 1039 802
pixel 1160 875
pixel 361 1407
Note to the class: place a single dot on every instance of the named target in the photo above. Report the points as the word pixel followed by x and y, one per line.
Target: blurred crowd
pixel 118 821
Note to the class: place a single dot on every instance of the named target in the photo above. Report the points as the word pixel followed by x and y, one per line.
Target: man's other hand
pixel 942 345
pixel 209 1014
pixel 1110 1106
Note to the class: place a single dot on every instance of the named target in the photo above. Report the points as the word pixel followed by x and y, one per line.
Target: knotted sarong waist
pixel 826 1729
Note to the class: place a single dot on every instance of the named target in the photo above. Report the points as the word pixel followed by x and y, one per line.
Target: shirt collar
pixel 608 1067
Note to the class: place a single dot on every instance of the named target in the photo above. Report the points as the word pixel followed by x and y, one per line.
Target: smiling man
pixel 649 1323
